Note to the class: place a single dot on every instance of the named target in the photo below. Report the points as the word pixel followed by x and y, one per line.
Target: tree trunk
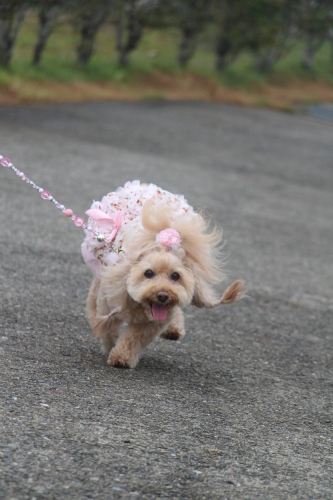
pixel 129 32
pixel 330 39
pixel 90 23
pixel 47 17
pixel 86 47
pixel 314 43
pixel 119 40
pixel 307 59
pixel 223 51
pixel 187 45
pixel 265 61
pixel 9 28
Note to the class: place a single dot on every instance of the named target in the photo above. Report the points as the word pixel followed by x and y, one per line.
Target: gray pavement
pixel 242 407
pixel 321 111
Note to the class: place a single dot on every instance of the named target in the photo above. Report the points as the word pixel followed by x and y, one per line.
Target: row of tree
pixel 268 28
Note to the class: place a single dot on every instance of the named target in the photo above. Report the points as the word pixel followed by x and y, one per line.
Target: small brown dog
pixel 152 257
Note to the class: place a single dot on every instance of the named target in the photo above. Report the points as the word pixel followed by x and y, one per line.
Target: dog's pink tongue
pixel 159 312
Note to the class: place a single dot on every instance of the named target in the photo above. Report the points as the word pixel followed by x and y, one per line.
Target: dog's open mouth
pixel 159 311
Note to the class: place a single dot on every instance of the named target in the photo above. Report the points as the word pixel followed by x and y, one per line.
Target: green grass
pixel 157 51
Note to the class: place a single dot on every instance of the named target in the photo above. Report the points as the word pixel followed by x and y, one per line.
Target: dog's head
pixel 161 277
pixel 158 276
pixel 159 281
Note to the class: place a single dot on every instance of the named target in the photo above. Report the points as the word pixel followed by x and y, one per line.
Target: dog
pixel 151 255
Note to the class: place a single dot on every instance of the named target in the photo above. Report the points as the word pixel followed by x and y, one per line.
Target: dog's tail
pixel 232 294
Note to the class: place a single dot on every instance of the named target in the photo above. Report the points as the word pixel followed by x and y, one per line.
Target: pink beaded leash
pixel 46 195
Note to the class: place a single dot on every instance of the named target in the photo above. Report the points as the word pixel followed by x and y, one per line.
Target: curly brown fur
pixel 150 304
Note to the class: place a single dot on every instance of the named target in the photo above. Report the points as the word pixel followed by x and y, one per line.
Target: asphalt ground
pixel 239 409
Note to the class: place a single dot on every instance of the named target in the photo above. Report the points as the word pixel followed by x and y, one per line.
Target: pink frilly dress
pixel 118 218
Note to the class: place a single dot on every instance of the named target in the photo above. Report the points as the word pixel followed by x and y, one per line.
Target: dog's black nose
pixel 162 297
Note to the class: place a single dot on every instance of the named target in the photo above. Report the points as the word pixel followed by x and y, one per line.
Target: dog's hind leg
pixel 92 302
pixel 175 330
pixel 105 330
pixel 107 333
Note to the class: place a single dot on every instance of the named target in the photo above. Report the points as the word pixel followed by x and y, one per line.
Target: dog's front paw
pixel 118 360
pixel 171 335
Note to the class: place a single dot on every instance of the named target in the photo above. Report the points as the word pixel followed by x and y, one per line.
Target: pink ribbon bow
pixel 104 220
pixel 169 238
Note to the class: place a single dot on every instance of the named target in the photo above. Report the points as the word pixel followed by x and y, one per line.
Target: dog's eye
pixel 149 274
pixel 175 276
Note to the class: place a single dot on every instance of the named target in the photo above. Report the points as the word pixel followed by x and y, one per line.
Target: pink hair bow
pixel 104 220
pixel 169 238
